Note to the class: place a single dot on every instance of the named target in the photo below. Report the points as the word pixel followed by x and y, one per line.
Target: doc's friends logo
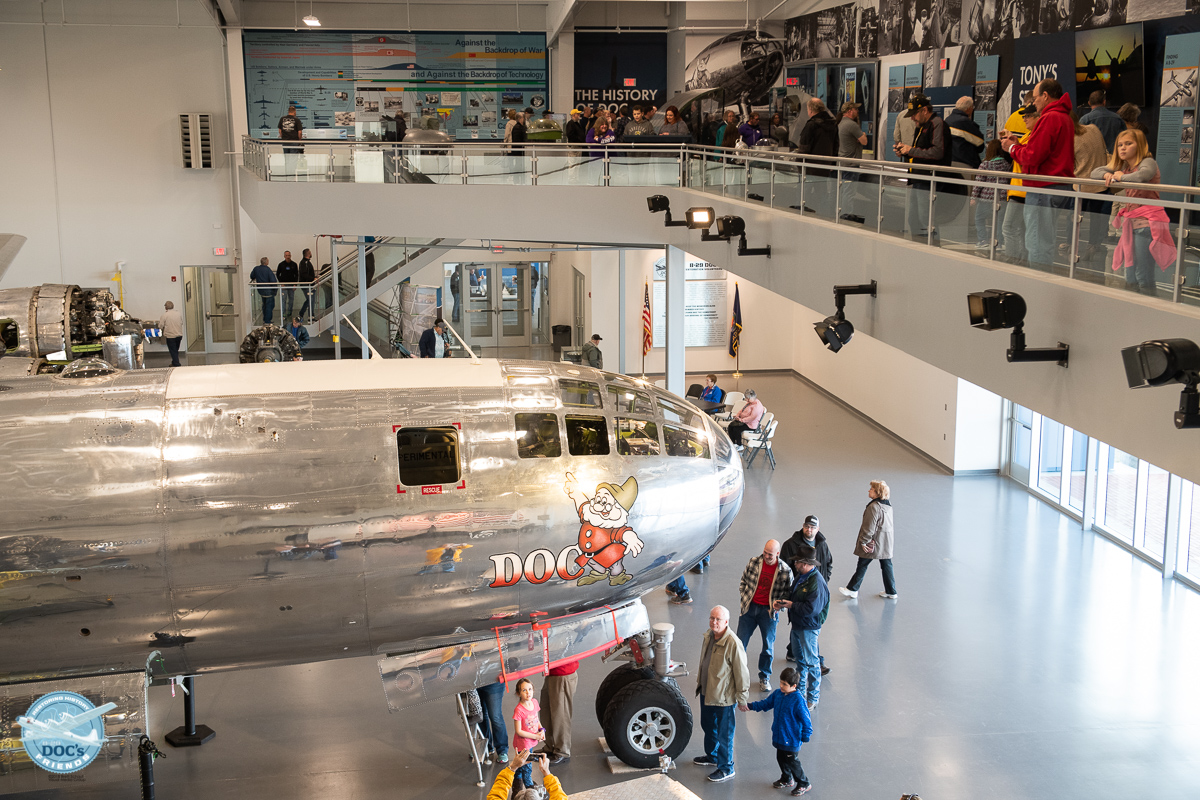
pixel 605 539
pixel 63 732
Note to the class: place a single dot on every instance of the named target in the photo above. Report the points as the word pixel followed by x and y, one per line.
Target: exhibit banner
pixel 704 313
pixel 1176 146
pixel 987 77
pixel 344 79
pixel 615 69
pixel 693 270
pixel 895 107
pixel 1039 57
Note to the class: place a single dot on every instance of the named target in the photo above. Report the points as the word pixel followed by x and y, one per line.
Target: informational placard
pixel 616 69
pixel 987 84
pixel 705 314
pixel 693 270
pixel 1176 148
pixel 895 107
pixel 1038 57
pixel 351 79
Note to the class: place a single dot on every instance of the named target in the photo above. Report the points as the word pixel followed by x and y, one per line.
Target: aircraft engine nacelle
pixel 54 318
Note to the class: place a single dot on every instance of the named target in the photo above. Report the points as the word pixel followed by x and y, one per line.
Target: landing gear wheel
pixel 645 718
pixel 614 682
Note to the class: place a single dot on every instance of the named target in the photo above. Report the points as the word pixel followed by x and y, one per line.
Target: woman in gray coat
pixel 874 542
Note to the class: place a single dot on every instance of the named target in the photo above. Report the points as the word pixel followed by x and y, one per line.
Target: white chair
pixel 661 384
pixel 760 440
pixel 734 402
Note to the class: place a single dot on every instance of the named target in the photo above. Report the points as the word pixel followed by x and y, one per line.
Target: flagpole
pixel 737 369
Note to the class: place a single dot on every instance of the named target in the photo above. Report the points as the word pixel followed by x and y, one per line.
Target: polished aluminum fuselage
pixel 252 515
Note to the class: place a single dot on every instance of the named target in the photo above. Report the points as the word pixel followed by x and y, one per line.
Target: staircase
pixel 392 266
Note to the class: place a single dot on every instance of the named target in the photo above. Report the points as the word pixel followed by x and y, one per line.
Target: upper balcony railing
pixel 1068 228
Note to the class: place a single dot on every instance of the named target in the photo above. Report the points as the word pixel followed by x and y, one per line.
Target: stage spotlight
pixel 659 202
pixel 1163 361
pixel 836 331
pixel 700 219
pixel 995 310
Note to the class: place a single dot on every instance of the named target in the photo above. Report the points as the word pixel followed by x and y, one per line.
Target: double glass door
pixel 490 303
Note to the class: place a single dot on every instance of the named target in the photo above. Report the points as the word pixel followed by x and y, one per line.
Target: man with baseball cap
pixel 929 147
pixel 851 140
pixel 807 610
pixel 592 356
pixel 809 536
pixel 574 130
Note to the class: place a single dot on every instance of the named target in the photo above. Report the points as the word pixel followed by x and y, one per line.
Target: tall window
pixel 1116 492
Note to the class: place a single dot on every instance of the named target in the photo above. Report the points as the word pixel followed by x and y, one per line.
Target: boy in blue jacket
pixel 790 727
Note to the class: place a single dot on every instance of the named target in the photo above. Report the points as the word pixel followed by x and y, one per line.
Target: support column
pixel 362 296
pixel 676 50
pixel 621 315
pixel 337 300
pixel 676 355
pixel 562 66
pixel 189 734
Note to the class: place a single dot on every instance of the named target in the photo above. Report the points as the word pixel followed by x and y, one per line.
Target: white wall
pixel 91 150
pixel 979 428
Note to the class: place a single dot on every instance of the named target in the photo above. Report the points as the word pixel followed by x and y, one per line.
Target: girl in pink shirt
pixel 529 730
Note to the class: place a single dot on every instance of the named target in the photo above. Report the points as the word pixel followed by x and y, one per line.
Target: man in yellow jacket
pixel 1021 123
pixel 723 682
pixel 504 779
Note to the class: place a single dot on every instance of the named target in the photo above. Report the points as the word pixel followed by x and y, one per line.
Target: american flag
pixel 735 329
pixel 647 324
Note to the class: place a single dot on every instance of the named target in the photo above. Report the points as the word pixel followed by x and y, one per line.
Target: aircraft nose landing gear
pixel 640 707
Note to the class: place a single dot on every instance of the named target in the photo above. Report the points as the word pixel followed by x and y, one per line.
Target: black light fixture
pixel 995 310
pixel 659 202
pixel 728 227
pixel 1164 361
pixel 700 219
pixel 836 330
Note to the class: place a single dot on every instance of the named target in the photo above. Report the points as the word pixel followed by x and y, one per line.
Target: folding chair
pixel 755 441
pixel 695 390
pixel 735 402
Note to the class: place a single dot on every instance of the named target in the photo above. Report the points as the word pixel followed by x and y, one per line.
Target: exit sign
pixel 218 251
pixel 792 82
pixel 631 81
pixel 945 64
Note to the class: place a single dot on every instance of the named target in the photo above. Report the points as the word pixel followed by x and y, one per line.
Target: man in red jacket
pixel 1049 150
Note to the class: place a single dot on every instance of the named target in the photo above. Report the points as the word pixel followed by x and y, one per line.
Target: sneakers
pixel 848 592
pixel 764 685
pixel 503 759
pixel 887 596
pixel 720 775
pixel 824 670
pixel 704 761
pixel 782 783
pixel 670 591
pixel 812 705
pixel 682 599
pixel 801 789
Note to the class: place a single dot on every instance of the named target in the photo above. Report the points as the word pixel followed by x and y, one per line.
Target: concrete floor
pixel 1024 659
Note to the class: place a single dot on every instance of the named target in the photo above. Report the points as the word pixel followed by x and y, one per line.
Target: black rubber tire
pixel 615 681
pixel 645 717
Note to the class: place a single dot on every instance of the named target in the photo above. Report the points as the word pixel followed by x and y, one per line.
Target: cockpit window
pixel 676 412
pixel 636 437
pixel 685 443
pixel 428 455
pixel 587 436
pixel 630 400
pixel 537 436
pixel 580 394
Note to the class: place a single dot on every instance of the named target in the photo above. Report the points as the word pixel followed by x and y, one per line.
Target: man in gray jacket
pixel 723 681
pixel 592 356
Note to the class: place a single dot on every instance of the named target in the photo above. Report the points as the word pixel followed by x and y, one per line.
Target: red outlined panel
pixel 439 488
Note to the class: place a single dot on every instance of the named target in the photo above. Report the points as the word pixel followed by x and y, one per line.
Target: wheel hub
pixel 651 730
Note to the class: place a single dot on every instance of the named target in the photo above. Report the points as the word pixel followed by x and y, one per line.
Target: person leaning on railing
pixel 1090 153
pixel 1145 230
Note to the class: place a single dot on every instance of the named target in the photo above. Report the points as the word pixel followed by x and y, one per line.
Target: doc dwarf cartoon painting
pixel 605 537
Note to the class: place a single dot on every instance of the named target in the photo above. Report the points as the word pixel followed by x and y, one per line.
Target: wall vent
pixel 195 136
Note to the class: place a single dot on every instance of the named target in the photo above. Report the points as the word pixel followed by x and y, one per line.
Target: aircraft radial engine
pixel 465 522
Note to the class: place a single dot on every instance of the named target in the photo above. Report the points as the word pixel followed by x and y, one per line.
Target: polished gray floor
pixel 1024 658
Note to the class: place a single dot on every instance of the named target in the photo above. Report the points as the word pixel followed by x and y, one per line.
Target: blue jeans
pixel 1141 274
pixel 173 349
pixel 759 618
pixel 679 587
pixel 1013 230
pixel 1042 213
pixel 289 299
pixel 719 724
pixel 808 663
pixel 983 222
pixel 492 697
pixel 268 304
pixel 860 572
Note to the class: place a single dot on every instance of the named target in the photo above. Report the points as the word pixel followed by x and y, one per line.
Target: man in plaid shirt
pixel 765 580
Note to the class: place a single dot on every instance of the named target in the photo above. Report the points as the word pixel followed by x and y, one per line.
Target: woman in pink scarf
pixel 1145 230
